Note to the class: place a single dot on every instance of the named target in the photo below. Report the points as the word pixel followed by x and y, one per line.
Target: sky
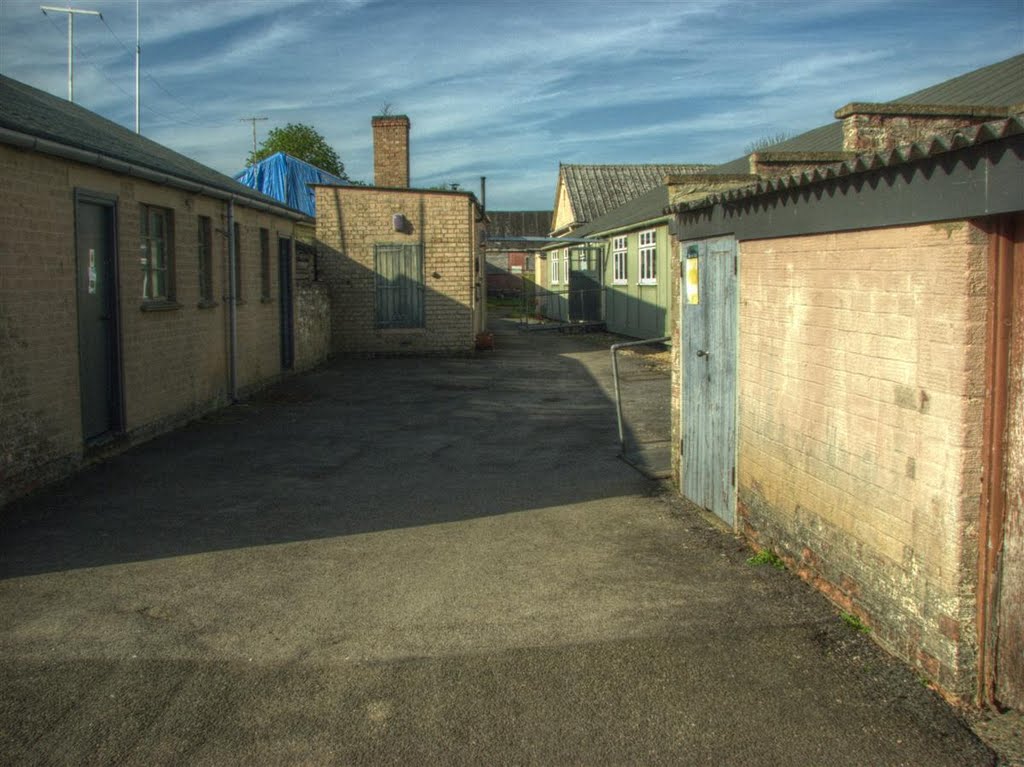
pixel 500 88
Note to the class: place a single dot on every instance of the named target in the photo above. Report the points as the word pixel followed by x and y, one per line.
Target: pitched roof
pixel 596 189
pixel 518 223
pixel 34 113
pixel 999 84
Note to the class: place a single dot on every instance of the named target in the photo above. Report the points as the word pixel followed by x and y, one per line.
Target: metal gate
pixel 708 361
pixel 585 284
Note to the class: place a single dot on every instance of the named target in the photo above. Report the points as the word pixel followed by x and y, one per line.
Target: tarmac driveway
pixel 424 562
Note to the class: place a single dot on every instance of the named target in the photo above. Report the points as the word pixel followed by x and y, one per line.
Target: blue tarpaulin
pixel 286 178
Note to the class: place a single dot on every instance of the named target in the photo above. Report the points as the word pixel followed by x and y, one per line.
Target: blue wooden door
pixel 708 361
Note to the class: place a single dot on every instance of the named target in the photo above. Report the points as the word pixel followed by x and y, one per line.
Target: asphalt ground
pixel 425 561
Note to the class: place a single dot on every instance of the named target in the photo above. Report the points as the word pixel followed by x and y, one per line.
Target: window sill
pixel 647 284
pixel 161 306
pixel 207 305
pixel 620 282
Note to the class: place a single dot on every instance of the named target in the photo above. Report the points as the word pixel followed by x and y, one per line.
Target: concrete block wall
pixel 860 408
pixel 174 362
pixel 351 220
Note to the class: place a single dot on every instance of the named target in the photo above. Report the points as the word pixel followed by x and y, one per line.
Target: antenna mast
pixel 138 55
pixel 71 40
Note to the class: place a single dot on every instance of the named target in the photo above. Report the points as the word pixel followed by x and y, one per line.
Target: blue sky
pixel 496 88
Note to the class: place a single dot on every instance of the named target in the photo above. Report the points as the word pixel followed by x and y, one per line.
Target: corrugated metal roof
pixel 966 137
pixel 518 223
pixel 999 84
pixel 33 112
pixel 596 189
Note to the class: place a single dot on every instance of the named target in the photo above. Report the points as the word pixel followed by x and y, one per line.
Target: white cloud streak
pixel 506 90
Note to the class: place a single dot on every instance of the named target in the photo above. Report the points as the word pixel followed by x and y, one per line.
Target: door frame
pixel 1006 235
pixel 117 397
pixel 700 247
pixel 286 299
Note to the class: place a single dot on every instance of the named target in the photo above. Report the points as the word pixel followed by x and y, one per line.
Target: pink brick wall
pixel 860 404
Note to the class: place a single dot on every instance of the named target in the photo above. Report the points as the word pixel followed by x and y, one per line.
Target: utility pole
pixel 71 40
pixel 253 120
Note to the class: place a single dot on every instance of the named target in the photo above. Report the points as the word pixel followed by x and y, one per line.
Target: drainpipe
pixel 232 308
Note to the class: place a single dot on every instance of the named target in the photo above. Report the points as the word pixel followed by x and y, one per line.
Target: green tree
pixel 303 142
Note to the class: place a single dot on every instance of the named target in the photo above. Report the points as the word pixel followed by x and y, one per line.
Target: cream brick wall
pixel 860 404
pixel 351 220
pixel 174 363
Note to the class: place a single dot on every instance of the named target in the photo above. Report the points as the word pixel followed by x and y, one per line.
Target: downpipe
pixel 232 308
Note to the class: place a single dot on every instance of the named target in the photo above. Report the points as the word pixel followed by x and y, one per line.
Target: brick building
pixel 848 389
pixel 116 311
pixel 404 267
pixel 510 260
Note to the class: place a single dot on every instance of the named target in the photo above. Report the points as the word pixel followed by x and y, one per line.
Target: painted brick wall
pixel 174 362
pixel 351 220
pixel 860 404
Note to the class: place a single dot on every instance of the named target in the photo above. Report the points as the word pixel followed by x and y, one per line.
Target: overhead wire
pixel 149 77
pixel 88 60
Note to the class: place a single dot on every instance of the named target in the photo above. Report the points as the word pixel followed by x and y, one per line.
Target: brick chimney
pixel 391 151
pixel 881 127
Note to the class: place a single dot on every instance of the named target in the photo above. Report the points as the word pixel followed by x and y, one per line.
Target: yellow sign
pixel 692 281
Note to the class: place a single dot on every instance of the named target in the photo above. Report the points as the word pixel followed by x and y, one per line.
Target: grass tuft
pixel 766 557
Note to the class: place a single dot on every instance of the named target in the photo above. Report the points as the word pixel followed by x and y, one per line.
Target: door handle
pixel 702 353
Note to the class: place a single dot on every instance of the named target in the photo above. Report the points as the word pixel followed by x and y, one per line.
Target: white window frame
pixel 556 273
pixel 647 257
pixel 620 260
pixel 565 266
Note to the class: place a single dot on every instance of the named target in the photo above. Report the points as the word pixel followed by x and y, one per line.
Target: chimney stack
pixel 391 151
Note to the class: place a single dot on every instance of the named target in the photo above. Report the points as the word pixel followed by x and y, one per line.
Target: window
pixel 565 266
pixel 648 258
pixel 204 251
pixel 238 263
pixel 156 227
pixel 619 260
pixel 264 265
pixel 556 267
pixel 399 286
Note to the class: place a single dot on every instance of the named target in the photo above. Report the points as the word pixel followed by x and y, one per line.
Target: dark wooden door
pixel 708 359
pixel 96 273
pixel 284 280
